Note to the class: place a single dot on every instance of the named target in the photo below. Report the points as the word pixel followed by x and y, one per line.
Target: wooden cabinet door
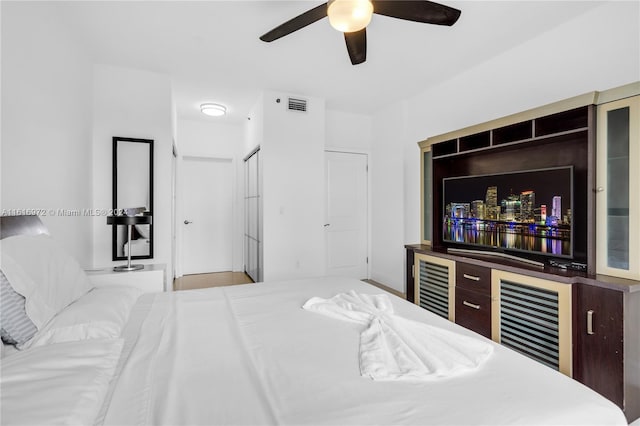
pixel 409 274
pixel 434 288
pixel 598 326
pixel 533 316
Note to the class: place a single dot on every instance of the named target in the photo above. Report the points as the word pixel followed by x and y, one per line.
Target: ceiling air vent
pixel 297 105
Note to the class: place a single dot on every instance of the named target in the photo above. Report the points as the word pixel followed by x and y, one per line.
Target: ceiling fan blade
pixel 300 21
pixel 357 46
pixel 417 11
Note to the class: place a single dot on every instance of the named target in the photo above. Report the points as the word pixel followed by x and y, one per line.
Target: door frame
pixel 174 268
pixel 179 270
pixel 366 153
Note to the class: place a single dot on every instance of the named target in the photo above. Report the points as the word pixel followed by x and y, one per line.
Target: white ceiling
pixel 212 52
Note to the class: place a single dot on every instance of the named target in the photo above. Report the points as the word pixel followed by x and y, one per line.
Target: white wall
pixel 348 131
pixel 136 104
pixel 292 154
pixel 46 123
pixel 214 139
pixel 595 51
pixel 209 138
pixel 254 127
pixel 387 222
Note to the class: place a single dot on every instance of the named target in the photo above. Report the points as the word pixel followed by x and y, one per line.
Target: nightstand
pixel 150 279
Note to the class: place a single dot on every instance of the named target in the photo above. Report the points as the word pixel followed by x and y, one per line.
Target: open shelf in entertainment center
pixel 565 124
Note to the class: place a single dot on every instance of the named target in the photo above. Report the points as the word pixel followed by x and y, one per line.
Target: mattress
pixel 250 354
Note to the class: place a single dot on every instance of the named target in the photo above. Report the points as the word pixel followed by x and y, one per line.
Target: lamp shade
pixel 349 15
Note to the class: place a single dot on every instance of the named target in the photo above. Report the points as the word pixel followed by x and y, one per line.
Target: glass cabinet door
pixel 618 189
pixel 426 196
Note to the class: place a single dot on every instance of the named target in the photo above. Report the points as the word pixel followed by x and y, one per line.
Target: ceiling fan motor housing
pixel 348 16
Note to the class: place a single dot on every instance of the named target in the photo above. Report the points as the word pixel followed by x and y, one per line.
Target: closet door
pixel 346 235
pixel 253 218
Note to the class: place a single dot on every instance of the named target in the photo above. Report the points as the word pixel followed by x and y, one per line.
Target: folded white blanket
pixel 393 347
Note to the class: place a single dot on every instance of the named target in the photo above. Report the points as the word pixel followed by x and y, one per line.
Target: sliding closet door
pixel 253 218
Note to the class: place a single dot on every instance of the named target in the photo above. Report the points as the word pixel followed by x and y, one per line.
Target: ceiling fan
pixel 352 17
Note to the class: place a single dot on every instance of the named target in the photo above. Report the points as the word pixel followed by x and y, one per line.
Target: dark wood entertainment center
pixel 576 320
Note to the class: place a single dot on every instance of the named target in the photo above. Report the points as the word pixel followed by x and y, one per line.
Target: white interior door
pixel 207 226
pixel 346 225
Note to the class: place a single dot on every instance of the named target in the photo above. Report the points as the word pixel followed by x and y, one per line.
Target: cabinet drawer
pixel 473 311
pixel 474 278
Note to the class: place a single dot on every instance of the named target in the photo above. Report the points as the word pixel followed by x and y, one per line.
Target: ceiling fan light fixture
pixel 213 110
pixel 349 15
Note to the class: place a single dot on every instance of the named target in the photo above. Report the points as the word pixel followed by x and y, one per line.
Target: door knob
pixel 186 222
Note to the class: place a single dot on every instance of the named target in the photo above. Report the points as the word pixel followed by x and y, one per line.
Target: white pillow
pixel 16 327
pixel 44 273
pixel 99 314
pixel 58 384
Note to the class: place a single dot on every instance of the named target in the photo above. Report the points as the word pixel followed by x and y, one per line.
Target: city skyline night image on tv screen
pixel 529 211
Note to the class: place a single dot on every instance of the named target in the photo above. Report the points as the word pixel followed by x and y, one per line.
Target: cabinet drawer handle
pixel 471 277
pixel 471 305
pixel 590 321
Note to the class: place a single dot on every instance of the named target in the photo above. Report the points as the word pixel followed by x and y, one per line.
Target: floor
pixel 215 279
pixel 384 287
pixel 218 279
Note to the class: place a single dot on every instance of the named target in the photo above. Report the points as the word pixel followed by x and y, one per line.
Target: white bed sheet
pixel 251 355
pixel 58 384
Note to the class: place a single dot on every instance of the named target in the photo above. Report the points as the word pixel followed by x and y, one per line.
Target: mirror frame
pixel 114 244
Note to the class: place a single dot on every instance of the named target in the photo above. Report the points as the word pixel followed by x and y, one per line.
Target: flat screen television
pixel 527 213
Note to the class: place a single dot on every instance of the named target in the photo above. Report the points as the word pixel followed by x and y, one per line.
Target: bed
pixel 251 354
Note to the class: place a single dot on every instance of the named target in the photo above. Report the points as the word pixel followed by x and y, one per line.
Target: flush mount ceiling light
pixel 348 16
pixel 214 110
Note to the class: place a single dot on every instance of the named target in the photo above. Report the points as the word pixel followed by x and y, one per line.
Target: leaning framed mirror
pixel 133 196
